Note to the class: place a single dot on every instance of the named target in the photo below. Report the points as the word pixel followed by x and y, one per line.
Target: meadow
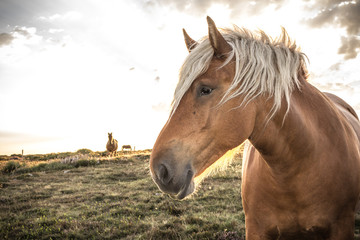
pixel 97 197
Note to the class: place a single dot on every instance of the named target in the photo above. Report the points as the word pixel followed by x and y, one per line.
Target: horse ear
pixel 190 43
pixel 220 45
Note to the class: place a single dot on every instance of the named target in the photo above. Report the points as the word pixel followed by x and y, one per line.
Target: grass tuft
pixel 229 236
pixel 10 167
pixel 84 151
pixel 85 163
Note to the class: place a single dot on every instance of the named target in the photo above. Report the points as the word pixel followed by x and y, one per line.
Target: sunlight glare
pixel 220 164
pixel 220 13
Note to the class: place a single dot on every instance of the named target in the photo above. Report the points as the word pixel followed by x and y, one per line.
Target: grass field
pixel 115 199
pixel 102 198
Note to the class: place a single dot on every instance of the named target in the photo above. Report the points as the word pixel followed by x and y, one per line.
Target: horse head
pixel 202 126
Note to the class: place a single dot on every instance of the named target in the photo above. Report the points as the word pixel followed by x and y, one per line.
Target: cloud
pixel 5 39
pixel 355 84
pixel 335 67
pixel 347 91
pixel 345 14
pixel 19 33
pixel 20 12
pixel 197 7
pixel 335 87
pixel 55 30
pixel 68 16
pixel 341 13
pixel 23 31
pixel 349 47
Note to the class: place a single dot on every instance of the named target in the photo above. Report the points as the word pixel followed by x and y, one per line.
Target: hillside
pixel 96 197
pixel 112 198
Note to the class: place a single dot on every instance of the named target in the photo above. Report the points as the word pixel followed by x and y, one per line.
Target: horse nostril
pixel 164 175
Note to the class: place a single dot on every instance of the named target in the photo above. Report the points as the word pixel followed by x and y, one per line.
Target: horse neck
pixel 286 142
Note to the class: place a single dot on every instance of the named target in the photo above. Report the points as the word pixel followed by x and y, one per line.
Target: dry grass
pixel 115 198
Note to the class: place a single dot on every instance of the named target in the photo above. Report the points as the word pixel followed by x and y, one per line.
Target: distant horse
pixel 111 145
pixel 124 147
pixel 301 172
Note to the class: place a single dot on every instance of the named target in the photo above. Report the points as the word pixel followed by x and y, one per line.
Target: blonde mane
pixel 263 66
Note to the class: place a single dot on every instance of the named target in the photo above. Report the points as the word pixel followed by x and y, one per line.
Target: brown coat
pixel 112 144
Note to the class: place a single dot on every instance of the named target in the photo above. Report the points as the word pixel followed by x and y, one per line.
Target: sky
pixel 73 70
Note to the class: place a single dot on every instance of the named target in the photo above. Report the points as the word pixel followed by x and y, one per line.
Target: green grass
pixel 116 199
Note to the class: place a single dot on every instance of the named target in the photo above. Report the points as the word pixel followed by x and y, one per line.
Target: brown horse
pixel 126 147
pixel 301 172
pixel 111 145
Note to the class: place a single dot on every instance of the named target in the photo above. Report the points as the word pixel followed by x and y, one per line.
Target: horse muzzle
pixel 179 184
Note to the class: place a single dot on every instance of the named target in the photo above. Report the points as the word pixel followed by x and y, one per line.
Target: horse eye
pixel 205 91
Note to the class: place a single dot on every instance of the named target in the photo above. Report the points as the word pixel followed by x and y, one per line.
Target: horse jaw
pixel 186 190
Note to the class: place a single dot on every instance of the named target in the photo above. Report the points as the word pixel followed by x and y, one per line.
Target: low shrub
pixel 85 163
pixel 84 151
pixel 10 166
pixel 4 158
